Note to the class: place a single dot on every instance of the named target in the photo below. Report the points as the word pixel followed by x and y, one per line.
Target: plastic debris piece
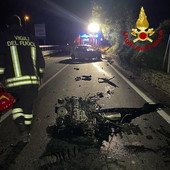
pixel 76 69
pixel 105 80
pixel 86 77
pixel 78 78
pixel 100 94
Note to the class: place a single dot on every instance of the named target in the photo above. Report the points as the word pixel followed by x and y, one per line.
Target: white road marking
pixel 3 117
pixel 144 96
pixel 44 84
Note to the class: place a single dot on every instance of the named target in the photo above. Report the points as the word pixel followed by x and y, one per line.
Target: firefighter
pixel 21 70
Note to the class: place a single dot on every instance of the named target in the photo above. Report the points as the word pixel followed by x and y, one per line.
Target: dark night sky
pixel 65 19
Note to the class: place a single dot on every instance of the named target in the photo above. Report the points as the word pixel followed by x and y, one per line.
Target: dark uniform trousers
pixel 21 67
pixel 22 111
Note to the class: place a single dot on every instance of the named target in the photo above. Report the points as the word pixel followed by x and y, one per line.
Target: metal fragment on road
pixel 106 80
pixel 78 78
pixel 76 68
pixel 78 117
pixel 86 77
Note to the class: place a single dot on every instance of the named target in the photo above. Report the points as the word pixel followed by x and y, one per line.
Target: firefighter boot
pixel 24 132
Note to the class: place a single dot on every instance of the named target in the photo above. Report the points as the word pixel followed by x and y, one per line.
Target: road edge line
pixel 51 78
pixel 161 112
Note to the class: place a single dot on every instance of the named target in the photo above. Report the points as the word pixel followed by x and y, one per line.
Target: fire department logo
pixel 3 97
pixel 142 33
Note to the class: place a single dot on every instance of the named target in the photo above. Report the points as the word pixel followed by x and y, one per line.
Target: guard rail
pixel 51 49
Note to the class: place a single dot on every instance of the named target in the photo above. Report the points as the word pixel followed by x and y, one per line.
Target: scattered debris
pixel 78 78
pixel 82 126
pixel 97 96
pixel 86 77
pixel 84 117
pixel 111 61
pixel 76 68
pixel 100 94
pixel 109 91
pixel 105 80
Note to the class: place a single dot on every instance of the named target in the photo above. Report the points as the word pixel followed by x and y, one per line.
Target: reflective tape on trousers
pixel 21 83
pixel 28 116
pixel 2 70
pixel 27 122
pixel 17 115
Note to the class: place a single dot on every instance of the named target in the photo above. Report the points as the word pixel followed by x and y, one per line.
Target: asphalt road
pixel 143 145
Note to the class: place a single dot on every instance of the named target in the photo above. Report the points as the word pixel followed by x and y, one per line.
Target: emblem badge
pixel 3 97
pixel 142 33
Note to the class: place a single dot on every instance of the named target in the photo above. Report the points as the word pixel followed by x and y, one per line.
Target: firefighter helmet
pixel 6 100
pixel 14 20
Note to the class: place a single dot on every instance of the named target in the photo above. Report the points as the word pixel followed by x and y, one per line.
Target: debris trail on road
pixel 82 125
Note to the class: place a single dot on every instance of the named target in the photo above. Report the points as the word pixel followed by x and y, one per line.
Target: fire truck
pixel 89 39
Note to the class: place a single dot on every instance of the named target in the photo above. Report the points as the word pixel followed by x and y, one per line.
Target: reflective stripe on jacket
pixel 21 59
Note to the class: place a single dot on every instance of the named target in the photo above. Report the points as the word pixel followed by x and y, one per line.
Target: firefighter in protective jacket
pixel 21 70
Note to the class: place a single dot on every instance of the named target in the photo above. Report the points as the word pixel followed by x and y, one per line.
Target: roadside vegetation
pixel 115 22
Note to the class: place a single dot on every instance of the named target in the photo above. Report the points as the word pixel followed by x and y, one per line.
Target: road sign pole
pixel 168 68
pixel 166 51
